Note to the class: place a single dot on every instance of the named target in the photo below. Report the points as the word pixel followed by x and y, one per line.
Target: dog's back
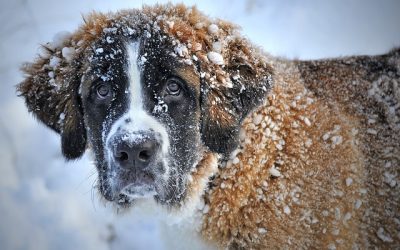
pixel 318 163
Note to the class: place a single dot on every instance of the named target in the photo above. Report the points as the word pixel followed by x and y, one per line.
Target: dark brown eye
pixel 103 90
pixel 173 86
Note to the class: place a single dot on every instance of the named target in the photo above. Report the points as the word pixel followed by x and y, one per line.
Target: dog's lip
pixel 135 191
pixel 141 189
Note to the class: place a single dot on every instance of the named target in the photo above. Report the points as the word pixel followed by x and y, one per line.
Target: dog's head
pixel 152 92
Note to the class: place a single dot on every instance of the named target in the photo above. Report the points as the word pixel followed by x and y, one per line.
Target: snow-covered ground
pixel 47 203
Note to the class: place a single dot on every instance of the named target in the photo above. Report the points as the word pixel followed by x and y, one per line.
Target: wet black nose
pixel 136 152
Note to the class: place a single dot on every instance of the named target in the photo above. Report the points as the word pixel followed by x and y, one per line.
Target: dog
pixel 269 153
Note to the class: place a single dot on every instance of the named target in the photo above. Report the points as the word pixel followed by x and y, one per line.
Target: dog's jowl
pixel 259 152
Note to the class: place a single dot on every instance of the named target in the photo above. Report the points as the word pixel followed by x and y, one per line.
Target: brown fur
pixel 318 161
pixel 316 158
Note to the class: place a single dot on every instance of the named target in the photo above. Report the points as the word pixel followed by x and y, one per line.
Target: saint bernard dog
pixel 270 153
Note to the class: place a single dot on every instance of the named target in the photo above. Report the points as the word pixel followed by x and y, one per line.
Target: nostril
pixel 122 156
pixel 144 155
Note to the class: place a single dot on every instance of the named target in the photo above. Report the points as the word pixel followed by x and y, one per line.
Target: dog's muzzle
pixel 135 158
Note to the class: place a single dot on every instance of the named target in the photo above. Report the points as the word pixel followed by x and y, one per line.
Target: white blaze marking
pixel 134 78
pixel 140 120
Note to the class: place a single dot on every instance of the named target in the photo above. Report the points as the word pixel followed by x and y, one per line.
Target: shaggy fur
pixel 296 154
pixel 326 127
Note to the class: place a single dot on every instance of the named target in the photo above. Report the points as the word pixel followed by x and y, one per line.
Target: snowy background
pixel 46 203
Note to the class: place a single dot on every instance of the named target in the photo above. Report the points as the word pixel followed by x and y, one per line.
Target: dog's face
pixel 142 113
pixel 146 99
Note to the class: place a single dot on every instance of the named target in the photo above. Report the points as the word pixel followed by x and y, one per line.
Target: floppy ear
pixel 225 107
pixel 51 90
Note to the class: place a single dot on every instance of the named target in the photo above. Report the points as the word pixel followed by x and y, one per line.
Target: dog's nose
pixel 136 152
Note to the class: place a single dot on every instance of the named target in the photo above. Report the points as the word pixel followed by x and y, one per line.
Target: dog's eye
pixel 103 90
pixel 174 86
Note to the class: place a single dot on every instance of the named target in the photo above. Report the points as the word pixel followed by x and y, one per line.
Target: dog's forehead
pixel 107 59
pixel 110 59
pixel 188 35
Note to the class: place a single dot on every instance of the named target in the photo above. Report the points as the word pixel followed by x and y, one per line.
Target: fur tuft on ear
pixel 51 91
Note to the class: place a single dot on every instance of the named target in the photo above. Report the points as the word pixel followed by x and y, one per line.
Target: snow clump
pixel 54 62
pixel 215 58
pixel 68 53
pixel 213 29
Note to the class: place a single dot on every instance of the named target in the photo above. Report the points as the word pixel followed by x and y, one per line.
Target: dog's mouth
pixel 136 191
pixel 124 187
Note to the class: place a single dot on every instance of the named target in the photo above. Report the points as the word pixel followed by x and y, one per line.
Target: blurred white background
pixel 47 203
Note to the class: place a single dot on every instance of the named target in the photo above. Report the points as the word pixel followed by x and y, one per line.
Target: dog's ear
pixel 51 92
pixel 248 78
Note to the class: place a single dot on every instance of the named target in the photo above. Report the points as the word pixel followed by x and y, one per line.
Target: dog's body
pixel 273 153
pixel 335 142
